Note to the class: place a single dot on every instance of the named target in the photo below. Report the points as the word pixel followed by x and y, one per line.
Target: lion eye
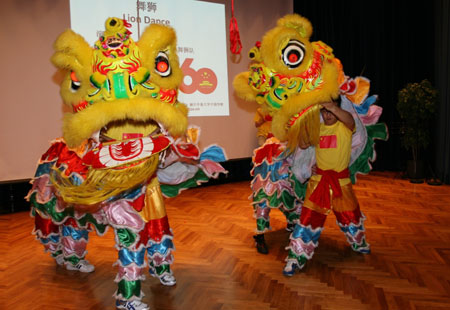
pixel 75 83
pixel 162 64
pixel 293 54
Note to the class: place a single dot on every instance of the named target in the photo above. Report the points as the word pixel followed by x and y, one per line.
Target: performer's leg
pixel 303 240
pixel 159 254
pixel 49 234
pixel 131 263
pixel 292 215
pixel 157 235
pixel 74 242
pixel 261 213
pixel 351 224
pixel 350 219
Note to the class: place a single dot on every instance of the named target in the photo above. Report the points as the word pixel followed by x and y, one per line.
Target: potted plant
pixel 417 104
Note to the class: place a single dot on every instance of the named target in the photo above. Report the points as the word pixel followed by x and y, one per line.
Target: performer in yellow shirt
pixel 329 189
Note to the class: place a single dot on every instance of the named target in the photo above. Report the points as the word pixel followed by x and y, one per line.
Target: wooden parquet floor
pixel 218 268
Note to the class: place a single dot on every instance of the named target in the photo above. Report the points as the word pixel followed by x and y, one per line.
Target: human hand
pixel 329 106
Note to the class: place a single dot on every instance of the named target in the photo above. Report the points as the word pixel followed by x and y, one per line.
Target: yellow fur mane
pixel 80 126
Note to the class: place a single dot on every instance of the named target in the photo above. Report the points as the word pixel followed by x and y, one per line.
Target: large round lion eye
pixel 162 64
pixel 293 54
pixel 75 83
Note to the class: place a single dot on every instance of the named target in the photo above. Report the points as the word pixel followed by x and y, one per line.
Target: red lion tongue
pixel 120 153
pixel 127 150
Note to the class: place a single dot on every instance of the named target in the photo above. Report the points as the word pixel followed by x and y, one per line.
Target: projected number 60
pixel 204 80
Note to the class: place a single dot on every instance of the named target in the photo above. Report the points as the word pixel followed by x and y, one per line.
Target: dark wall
pixel 389 42
pixel 12 196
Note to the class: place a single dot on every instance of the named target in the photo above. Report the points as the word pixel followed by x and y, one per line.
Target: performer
pixel 103 173
pixel 330 189
pixel 289 77
pixel 288 74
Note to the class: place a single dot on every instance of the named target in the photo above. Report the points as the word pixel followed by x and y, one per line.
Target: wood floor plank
pixel 217 266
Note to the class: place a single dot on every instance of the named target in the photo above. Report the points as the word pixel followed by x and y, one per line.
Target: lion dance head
pixel 123 95
pixel 289 77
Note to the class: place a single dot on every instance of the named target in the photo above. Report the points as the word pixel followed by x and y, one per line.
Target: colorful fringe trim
pixel 362 163
pixel 274 186
pixel 355 233
pixel 303 241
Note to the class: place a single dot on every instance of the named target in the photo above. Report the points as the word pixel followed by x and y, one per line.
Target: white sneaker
pixel 291 267
pixel 82 266
pixel 168 280
pixel 59 260
pixel 131 305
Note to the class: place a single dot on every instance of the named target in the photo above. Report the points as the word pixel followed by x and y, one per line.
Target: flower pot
pixel 415 170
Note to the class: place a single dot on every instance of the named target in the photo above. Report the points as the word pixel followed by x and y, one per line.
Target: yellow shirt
pixel 334 149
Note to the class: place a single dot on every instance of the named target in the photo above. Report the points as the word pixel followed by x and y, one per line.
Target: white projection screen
pixel 201 44
pixel 31 109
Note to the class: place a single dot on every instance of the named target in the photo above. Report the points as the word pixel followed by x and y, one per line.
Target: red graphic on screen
pixel 203 80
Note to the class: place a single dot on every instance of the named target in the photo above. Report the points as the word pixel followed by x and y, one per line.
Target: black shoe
pixel 261 245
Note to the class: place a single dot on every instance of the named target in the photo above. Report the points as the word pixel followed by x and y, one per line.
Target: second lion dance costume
pixel 127 134
pixel 289 77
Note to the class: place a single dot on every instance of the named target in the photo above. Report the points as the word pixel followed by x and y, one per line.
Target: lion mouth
pixel 125 143
pixel 128 129
pixel 113 43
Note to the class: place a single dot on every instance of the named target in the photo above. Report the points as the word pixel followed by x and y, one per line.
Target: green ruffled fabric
pixel 73 259
pixel 160 270
pixel 262 224
pixel 274 201
pixel 301 259
pixel 174 190
pixel 291 216
pixel 57 253
pixel 299 188
pixel 126 237
pixel 88 218
pixel 361 164
pixel 49 208
pixel 129 289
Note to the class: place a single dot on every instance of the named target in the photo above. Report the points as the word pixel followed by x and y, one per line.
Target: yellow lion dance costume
pixel 126 132
pixel 289 78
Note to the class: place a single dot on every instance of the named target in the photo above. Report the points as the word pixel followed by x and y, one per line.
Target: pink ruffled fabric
pixel 262 213
pixel 269 187
pixel 372 116
pixel 72 247
pixel 121 214
pixel 211 168
pixel 299 247
pixel 44 190
pixel 158 260
pixel 51 247
pixel 356 239
pixel 129 273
